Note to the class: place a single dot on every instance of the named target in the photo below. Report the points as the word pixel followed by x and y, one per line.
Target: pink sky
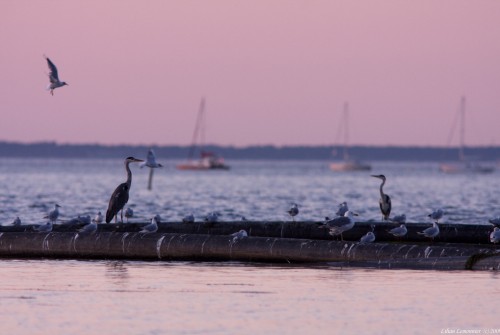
pixel 272 72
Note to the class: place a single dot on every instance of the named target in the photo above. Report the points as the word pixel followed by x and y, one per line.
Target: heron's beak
pixel 138 160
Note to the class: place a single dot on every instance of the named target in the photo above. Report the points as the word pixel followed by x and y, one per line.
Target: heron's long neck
pixel 129 175
pixel 381 188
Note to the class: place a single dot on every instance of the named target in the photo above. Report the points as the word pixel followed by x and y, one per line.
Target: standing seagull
pixel 368 237
pixel 44 228
pixel 431 231
pixel 54 77
pixel 293 211
pixel 129 213
pixel 340 224
pixel 150 227
pixel 436 215
pixel 89 228
pixel 495 235
pixel 342 209
pixel 120 196
pixel 239 235
pixel 385 200
pixel 399 231
pixel 401 219
pixel 97 218
pixel 53 214
pixel 188 218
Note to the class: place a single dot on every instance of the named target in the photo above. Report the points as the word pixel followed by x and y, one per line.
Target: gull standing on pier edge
pixel 120 196
pixel 340 224
pixel 293 211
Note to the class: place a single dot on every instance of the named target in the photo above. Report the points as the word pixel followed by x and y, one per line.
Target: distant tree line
pixel 368 153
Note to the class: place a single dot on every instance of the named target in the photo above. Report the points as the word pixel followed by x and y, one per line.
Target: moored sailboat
pixel 464 164
pixel 207 160
pixel 347 164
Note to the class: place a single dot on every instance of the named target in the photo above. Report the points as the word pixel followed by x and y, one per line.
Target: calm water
pixel 77 297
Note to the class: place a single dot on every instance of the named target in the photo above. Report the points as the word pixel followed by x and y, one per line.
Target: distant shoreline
pixel 268 152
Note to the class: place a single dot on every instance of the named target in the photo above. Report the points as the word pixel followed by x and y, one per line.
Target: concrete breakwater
pixel 449 233
pixel 204 247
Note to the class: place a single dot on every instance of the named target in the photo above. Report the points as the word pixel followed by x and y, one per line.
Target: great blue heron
pixel 54 77
pixel 430 232
pixel 120 196
pixel 340 224
pixel 385 200
pixel 293 211
pixel 150 227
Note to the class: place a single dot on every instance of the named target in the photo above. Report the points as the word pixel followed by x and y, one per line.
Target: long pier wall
pixel 449 233
pixel 175 246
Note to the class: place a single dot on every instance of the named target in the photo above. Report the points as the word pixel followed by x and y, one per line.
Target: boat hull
pixel 349 166
pixel 465 168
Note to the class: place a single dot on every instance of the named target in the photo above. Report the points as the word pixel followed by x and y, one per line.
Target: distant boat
pixel 207 160
pixel 347 164
pixel 464 164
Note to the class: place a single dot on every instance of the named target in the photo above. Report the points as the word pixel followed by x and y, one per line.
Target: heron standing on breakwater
pixel 120 196
pixel 385 200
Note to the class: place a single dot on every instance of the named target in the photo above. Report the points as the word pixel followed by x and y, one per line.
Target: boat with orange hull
pixel 207 160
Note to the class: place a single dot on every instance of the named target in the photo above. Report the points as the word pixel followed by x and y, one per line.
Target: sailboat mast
pixel 462 129
pixel 199 126
pixel 346 130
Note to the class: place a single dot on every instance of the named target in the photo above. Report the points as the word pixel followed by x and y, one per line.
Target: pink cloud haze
pixel 273 72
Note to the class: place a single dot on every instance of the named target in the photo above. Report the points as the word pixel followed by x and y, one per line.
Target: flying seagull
pixel 54 77
pixel 150 161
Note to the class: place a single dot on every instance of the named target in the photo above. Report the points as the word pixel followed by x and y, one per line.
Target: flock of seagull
pixel 343 221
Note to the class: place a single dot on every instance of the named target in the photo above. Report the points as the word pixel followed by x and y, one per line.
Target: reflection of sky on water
pixel 134 297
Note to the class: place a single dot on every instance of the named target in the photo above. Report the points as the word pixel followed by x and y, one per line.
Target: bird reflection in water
pixel 117 271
